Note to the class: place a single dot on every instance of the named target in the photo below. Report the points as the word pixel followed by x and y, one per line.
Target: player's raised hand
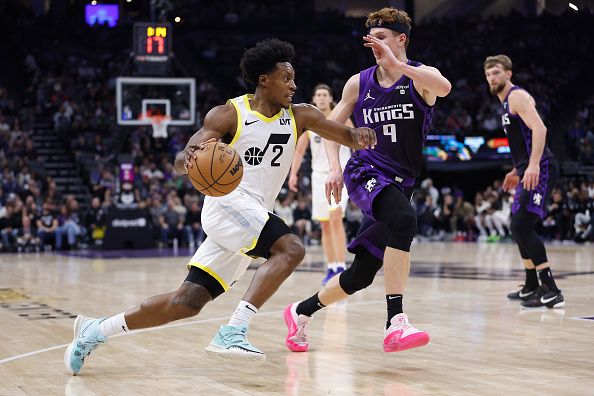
pixel 530 179
pixel 363 138
pixel 191 152
pixel 511 180
pixel 383 54
pixel 334 183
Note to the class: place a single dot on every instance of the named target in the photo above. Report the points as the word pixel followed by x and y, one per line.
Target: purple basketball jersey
pixel 401 120
pixel 519 136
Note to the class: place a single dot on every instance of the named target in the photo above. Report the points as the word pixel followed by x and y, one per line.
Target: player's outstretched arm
pixel 428 80
pixel 309 117
pixel 521 102
pixel 219 121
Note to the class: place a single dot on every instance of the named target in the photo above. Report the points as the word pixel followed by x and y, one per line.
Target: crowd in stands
pixel 72 88
pixel 580 139
pixel 445 214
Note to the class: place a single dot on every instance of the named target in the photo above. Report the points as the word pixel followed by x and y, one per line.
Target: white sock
pixel 114 325
pixel 332 266
pixel 243 314
pixel 340 264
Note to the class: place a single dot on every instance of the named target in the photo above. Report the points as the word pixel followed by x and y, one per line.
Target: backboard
pixel 138 99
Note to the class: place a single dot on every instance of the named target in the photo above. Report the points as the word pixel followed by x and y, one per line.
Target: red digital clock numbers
pixel 155 39
pixel 152 42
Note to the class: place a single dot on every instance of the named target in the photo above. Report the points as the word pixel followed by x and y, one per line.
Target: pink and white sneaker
pixel 401 335
pixel 297 329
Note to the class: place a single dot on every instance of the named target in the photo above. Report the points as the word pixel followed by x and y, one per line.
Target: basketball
pixel 217 170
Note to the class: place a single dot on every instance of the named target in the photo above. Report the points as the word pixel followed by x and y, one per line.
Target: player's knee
pixel 325 226
pixel 293 251
pixel 335 215
pixel 360 274
pixel 406 222
pixel 403 229
pixel 515 226
pixel 522 224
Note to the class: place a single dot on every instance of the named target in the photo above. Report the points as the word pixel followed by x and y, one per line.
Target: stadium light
pixel 177 19
pixel 129 1
pixel 94 2
pixel 573 7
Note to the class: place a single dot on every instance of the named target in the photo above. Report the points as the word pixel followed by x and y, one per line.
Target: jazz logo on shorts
pixel 254 155
pixel 537 199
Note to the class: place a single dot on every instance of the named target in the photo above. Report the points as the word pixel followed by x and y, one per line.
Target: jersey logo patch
pixel 317 139
pixel 254 155
pixel 537 199
pixel 370 185
pixel 368 96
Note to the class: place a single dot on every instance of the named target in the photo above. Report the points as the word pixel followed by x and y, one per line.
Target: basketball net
pixel 159 123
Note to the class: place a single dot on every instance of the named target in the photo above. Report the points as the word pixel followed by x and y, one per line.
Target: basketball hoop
pixel 160 124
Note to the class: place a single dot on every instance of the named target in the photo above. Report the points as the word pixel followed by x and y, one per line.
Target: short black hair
pixel 262 59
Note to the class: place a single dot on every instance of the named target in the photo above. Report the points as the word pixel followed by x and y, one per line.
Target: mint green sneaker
pixel 230 343
pixel 87 337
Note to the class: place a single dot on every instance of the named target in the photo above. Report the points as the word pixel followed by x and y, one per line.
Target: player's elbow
pixel 444 89
pixel 541 130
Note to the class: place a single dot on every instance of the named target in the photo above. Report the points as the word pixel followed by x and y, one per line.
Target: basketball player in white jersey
pixel 329 216
pixel 263 128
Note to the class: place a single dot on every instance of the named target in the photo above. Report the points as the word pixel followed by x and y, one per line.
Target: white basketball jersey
pixel 266 146
pixel 319 160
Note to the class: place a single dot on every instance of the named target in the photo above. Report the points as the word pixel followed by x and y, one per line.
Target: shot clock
pixel 152 42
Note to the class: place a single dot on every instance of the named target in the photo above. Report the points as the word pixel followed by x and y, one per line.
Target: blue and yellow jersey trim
pixel 239 123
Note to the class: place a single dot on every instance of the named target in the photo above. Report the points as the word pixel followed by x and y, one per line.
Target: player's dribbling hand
pixel 363 138
pixel 191 152
pixel 293 182
pixel 383 54
pixel 511 181
pixel 334 183
pixel 530 179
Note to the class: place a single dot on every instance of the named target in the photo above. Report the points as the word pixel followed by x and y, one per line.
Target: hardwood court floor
pixel 481 343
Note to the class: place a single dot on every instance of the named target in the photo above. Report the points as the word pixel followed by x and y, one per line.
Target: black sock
pixel 531 279
pixel 546 277
pixel 394 303
pixel 310 306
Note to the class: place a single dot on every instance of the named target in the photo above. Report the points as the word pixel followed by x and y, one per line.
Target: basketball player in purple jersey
pixel 396 99
pixel 535 165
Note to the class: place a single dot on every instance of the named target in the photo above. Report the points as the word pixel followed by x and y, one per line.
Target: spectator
pixel 13 223
pixel 171 224
pixel 193 226
pixel 70 227
pixel 47 224
pixel 462 219
pixel 95 221
pixel 302 220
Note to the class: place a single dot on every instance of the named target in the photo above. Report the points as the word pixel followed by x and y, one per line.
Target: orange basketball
pixel 217 170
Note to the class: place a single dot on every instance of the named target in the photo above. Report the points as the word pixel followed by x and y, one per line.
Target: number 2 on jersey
pixel 278 150
pixel 390 130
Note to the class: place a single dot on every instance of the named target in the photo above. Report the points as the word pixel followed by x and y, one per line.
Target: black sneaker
pixel 524 294
pixel 545 298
